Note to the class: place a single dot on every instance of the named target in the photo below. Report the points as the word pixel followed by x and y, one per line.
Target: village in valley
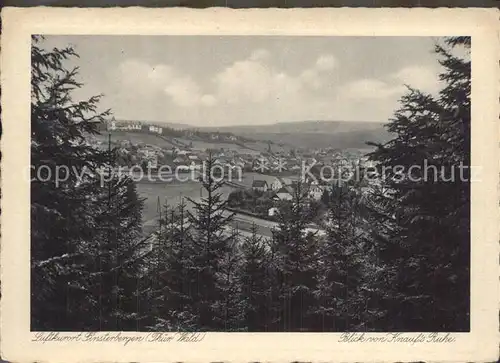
pixel 259 177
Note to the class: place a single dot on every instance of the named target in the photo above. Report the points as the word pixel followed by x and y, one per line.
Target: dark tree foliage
pixel 172 302
pixel 340 301
pixel 61 217
pixel 425 244
pixel 211 243
pixel 229 307
pixel 84 237
pixel 295 263
pixel 119 255
pixel 255 282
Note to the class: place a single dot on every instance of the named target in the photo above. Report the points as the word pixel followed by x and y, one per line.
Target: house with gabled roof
pixel 181 159
pixel 260 185
pixel 285 193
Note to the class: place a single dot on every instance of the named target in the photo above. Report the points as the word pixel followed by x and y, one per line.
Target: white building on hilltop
pixel 156 129
pixel 132 127
pixel 124 126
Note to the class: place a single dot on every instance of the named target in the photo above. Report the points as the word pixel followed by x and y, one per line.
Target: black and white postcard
pixel 266 185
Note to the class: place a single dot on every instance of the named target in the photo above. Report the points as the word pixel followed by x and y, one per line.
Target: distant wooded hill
pixel 314 134
pixel 302 134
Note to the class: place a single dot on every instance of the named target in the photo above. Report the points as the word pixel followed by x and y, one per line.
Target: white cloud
pixel 260 55
pixel 380 96
pixel 208 100
pixel 314 76
pixel 311 78
pixel 370 88
pixel 134 73
pixel 422 78
pixel 284 89
pixel 183 91
pixel 249 81
pixel 160 73
pixel 393 87
pixel 326 62
pixel 253 81
pixel 257 90
pixel 148 81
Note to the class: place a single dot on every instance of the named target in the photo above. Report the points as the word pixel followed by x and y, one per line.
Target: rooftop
pixel 259 183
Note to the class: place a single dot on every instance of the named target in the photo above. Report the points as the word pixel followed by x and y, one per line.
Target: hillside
pixel 282 136
pixel 168 142
pixel 341 140
pixel 314 134
pixel 173 125
pixel 299 127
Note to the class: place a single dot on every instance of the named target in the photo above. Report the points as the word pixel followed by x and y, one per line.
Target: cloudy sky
pixel 212 80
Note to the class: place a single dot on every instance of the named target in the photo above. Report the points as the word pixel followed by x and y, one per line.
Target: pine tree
pixel 255 281
pixel 228 308
pixel 210 241
pixel 157 264
pixel 342 262
pixel 295 264
pixel 275 282
pixel 381 292
pixel 325 197
pixel 62 219
pixel 119 254
pixel 87 249
pixel 173 307
pixel 133 262
pixel 429 255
